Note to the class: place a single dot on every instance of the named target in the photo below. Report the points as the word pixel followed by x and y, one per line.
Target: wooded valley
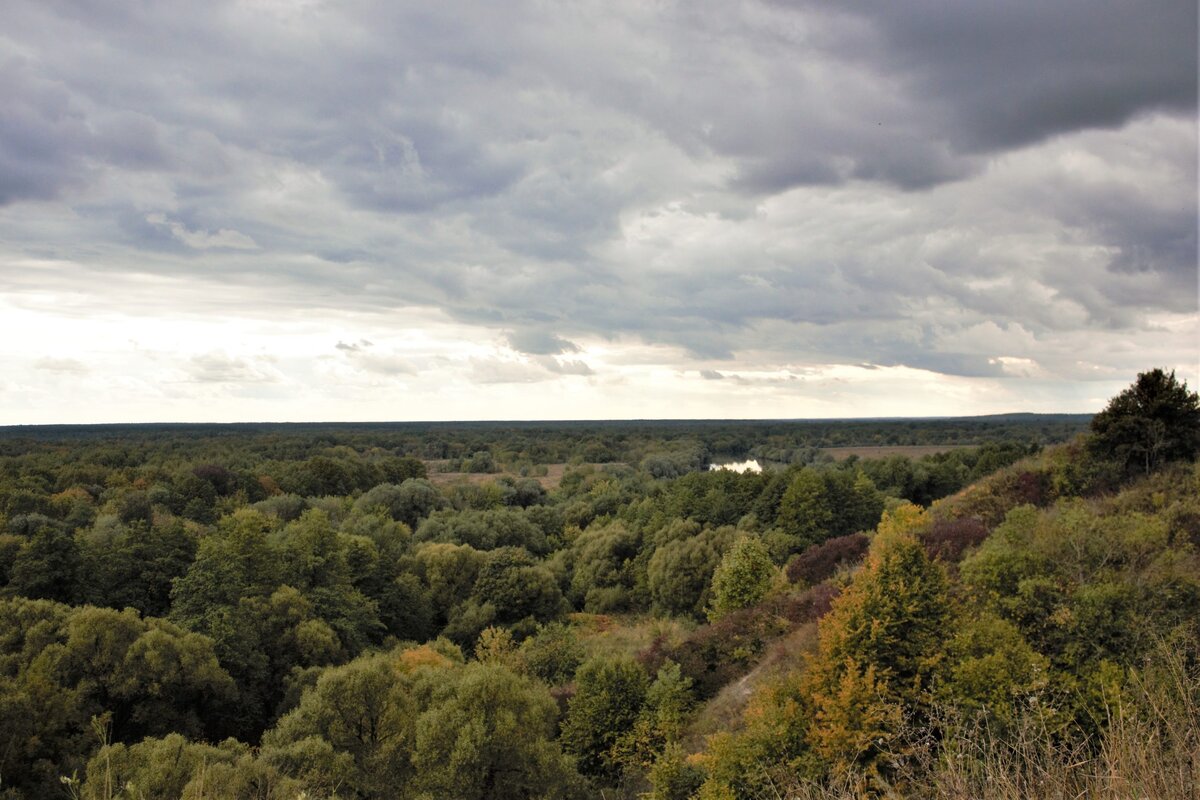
pixel 418 611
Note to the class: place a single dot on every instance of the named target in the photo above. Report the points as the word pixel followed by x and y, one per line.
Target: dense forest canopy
pixel 549 610
pixel 559 440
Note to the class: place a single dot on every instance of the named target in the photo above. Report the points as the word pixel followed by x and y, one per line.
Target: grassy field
pixel 550 481
pixel 883 451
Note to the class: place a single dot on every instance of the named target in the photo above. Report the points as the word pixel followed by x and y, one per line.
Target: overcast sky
pixel 288 210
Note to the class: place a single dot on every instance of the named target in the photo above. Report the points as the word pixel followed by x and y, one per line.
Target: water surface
pixel 750 465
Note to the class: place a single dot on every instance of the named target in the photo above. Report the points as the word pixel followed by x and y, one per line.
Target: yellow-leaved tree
pixel 848 718
pixel 880 647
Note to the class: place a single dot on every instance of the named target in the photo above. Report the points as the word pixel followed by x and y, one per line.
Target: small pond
pixel 751 465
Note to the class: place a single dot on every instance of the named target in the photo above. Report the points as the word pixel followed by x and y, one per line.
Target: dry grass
pixel 1150 751
pixel 550 481
pixel 612 634
pixel 724 712
pixel 788 653
pixel 443 479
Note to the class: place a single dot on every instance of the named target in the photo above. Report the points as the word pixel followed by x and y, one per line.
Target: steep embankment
pixel 1042 623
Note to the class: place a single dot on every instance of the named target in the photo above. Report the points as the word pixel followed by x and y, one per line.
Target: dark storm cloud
pixel 1163 242
pixel 970 79
pixel 42 138
pixel 802 180
pixel 970 365
pixel 1012 73
pixel 540 343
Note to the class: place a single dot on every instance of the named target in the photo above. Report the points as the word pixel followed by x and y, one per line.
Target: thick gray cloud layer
pixel 929 184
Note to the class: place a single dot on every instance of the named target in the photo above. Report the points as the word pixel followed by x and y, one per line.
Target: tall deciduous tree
pixel 742 578
pixel 608 700
pixel 62 666
pixel 490 737
pixel 47 565
pixel 680 572
pixel 365 708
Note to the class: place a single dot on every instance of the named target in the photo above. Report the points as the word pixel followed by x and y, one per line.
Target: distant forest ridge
pixel 492 447
pixel 866 424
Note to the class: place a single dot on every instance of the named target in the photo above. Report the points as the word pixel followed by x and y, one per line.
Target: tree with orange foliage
pixel 880 647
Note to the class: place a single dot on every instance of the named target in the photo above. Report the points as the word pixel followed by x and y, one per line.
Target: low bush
pixel 819 562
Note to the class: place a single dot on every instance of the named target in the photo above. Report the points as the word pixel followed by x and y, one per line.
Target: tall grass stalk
pixel 1150 750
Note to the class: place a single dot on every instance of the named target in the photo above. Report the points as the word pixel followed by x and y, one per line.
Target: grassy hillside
pixel 1058 654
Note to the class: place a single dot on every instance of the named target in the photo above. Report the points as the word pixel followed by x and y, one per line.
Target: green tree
pixel 804 510
pixel 991 671
pixel 405 608
pixel 489 735
pixel 401 469
pixel 511 589
pixel 680 572
pixel 1154 421
pixel 133 566
pixel 47 565
pixel 606 568
pixel 235 562
pixel 172 767
pixel 552 654
pixel 608 700
pixel 408 502
pixel 449 570
pixel 661 720
pixel 748 763
pixel 518 587
pixel 262 627
pixel 766 506
pixel 485 530
pixel 60 667
pixel 672 777
pixel 743 577
pixel 151 675
pixel 865 505
pixel 366 709
pixel 378 552
pixel 315 560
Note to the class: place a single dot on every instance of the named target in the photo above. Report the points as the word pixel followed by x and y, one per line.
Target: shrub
pixel 716 654
pixel 552 654
pixel 820 561
pixel 949 539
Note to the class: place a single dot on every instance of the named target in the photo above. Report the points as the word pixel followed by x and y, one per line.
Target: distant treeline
pixel 532 442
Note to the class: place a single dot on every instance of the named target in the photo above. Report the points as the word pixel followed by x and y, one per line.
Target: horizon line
pixel 536 421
